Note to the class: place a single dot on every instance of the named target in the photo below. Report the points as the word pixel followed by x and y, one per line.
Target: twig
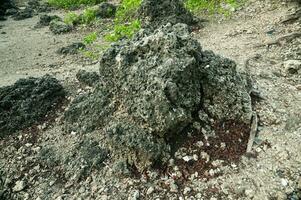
pixel 252 132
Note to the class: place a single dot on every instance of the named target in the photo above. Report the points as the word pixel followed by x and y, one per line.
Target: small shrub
pixel 90 38
pixel 211 6
pixel 88 16
pixel 126 23
pixel 127 11
pixel 71 18
pixel 124 31
pixel 67 4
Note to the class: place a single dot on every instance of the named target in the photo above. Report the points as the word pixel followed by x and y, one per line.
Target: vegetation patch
pixel 212 6
pixel 126 22
pixel 69 4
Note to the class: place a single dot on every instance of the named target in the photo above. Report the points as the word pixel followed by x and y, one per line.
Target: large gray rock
pixel 155 13
pixel 27 102
pixel 155 86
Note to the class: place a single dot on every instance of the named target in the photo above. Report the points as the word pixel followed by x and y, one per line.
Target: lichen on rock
pixel 155 86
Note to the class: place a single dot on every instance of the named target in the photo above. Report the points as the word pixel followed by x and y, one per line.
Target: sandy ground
pixel 248 38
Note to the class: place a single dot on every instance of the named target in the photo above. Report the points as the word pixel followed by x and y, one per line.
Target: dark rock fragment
pixel 71 49
pixel 59 27
pixel 88 78
pixel 106 10
pixel 24 14
pixel 27 102
pixel 46 19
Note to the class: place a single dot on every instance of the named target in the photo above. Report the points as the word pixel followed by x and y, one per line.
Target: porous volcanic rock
pixel 87 78
pixel 152 88
pixel 72 48
pixel 4 6
pixel 58 27
pixel 27 102
pixel 106 10
pixel 155 13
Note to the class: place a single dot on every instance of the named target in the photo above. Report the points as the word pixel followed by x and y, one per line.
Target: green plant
pixel 126 23
pixel 211 6
pixel 67 4
pixel 90 38
pixel 71 18
pixel 127 11
pixel 88 16
pixel 124 31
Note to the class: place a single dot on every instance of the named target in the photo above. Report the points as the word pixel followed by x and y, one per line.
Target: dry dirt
pixel 254 37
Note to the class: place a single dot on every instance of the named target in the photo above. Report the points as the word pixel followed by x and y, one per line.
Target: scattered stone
pixel 72 48
pixel 284 182
pixel 292 66
pixel 186 190
pixel 150 190
pixel 27 102
pixel 106 10
pixel 173 187
pixel 46 19
pixel 58 27
pixel 23 14
pixel 19 186
pixel 87 78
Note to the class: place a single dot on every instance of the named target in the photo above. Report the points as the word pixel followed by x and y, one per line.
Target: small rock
pixel 28 144
pixel 106 10
pixel 173 187
pixel 72 48
pixel 58 27
pixel 135 195
pixel 187 158
pixel 46 19
pixel 298 87
pixel 186 190
pixel 19 186
pixel 150 190
pixel 284 182
pixel 292 66
pixel 249 193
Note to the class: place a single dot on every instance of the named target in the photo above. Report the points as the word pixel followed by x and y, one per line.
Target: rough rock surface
pixel 4 6
pixel 152 88
pixel 72 48
pixel 87 78
pixel 46 19
pixel 106 10
pixel 155 13
pixel 58 27
pixel 27 101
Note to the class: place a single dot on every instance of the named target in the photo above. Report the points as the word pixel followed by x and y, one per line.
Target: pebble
pixel 195 157
pixel 284 182
pixel 28 144
pixel 249 192
pixel 298 87
pixel 292 66
pixel 173 187
pixel 150 190
pixel 187 158
pixel 135 195
pixel 19 186
pixel 186 190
